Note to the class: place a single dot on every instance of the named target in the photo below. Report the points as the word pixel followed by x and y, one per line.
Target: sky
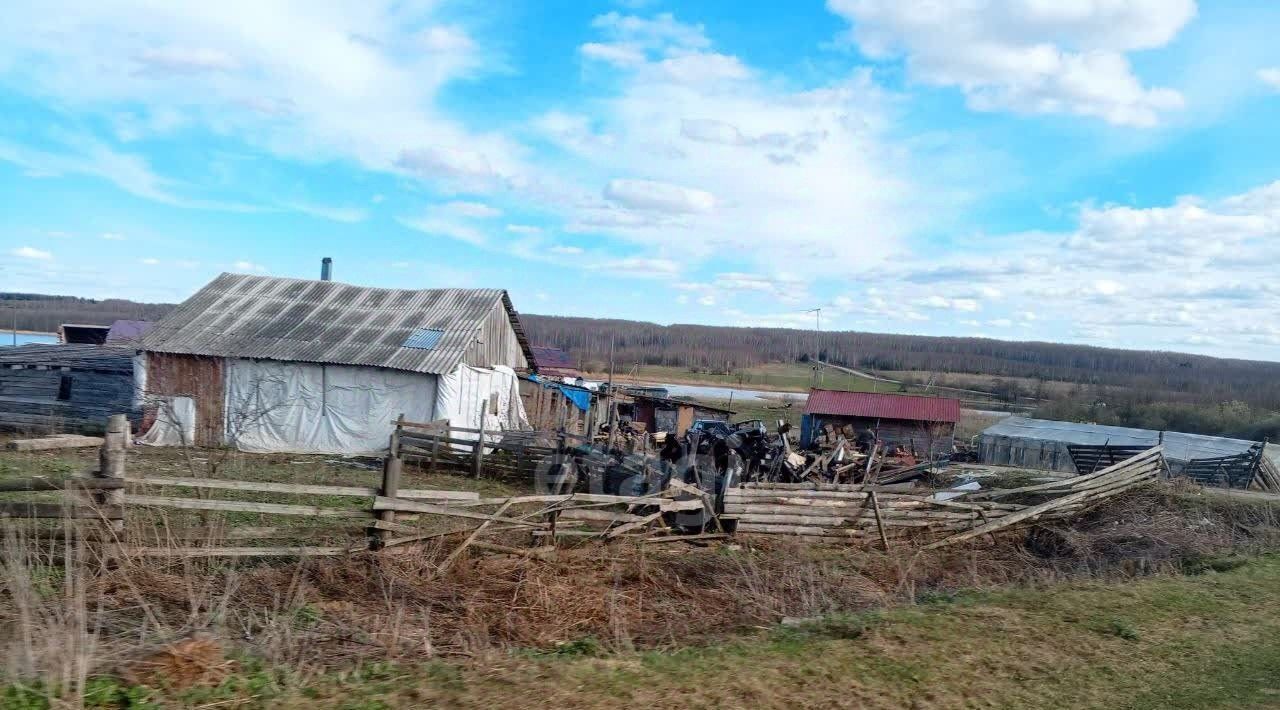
pixel 1103 172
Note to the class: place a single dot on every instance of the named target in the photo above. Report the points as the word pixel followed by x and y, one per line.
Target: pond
pixel 20 338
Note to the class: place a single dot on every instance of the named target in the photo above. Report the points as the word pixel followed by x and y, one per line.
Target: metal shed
pixel 1042 443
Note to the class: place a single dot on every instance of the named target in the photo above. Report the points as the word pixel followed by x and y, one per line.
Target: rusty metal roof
pixel 883 406
pixel 238 315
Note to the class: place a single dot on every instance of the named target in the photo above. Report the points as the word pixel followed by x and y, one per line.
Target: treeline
pixel 1160 375
pixel 26 311
pixel 1139 376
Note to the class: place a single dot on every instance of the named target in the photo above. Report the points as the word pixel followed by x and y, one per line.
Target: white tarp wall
pixel 470 396
pixel 330 409
pixel 175 423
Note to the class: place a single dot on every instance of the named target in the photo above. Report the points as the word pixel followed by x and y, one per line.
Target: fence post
pixel 111 464
pixel 390 485
pixel 435 446
pixel 478 454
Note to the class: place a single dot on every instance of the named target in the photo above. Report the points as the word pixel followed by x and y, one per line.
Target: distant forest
pixel 1114 376
pixel 1142 374
pixel 27 311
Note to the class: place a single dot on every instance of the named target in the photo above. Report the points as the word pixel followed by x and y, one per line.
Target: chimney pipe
pixel 326 269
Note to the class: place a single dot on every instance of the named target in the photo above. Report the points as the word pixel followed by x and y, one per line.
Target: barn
pixel 275 364
pixel 925 425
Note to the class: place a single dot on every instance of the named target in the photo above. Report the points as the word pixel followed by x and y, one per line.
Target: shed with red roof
pixel 925 425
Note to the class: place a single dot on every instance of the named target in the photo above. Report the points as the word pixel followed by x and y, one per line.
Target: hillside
pixel 1095 373
pixel 1142 374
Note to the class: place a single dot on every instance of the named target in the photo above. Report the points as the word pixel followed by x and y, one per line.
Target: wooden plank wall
pixel 549 410
pixel 29 398
pixel 198 377
pixel 938 439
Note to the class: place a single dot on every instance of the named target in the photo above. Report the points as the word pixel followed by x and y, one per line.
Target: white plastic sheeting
pixel 175 423
pixel 329 409
pixel 471 396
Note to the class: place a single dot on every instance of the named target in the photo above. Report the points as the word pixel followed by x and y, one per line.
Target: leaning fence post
pixel 111 464
pixel 478 454
pixel 390 486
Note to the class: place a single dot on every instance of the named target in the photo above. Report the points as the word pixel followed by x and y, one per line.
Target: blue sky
pixel 1091 171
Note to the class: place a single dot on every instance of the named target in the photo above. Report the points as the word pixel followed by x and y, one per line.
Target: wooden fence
pixel 389 516
pixel 851 512
pixel 511 454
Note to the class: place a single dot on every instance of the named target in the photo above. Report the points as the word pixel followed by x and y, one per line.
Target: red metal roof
pixel 553 361
pixel 883 406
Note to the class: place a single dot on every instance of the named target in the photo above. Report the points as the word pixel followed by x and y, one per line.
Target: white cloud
pixel 699 152
pixel 341 81
pixel 82 155
pixel 967 305
pixel 452 228
pixel 348 215
pixel 1028 56
pixel 617 54
pixel 184 60
pixel 114 236
pixel 637 267
pixel 523 229
pixel 149 261
pixel 249 267
pixel 477 210
pixel 1157 274
pixel 1270 76
pixel 566 250
pixel 655 196
pixel 32 253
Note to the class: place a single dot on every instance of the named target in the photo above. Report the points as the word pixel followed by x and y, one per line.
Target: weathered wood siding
pixel 202 379
pixel 937 439
pixel 549 410
pixel 61 400
pixel 496 342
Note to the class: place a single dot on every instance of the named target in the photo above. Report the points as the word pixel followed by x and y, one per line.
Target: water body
pixel 28 339
pixel 739 395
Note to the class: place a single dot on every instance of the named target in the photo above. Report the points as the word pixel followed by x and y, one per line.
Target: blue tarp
pixel 581 398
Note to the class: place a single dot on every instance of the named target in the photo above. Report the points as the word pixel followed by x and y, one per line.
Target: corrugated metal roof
pixel 1177 445
pixel 83 357
pixel 238 315
pixel 127 330
pixel 883 406
pixel 547 358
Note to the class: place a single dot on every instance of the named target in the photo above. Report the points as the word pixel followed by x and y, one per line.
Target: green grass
pixel 1205 641
pixel 783 377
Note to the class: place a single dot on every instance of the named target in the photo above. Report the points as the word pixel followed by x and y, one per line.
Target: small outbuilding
pixel 64 388
pixel 667 414
pixel 276 364
pixel 925 425
pixel 83 334
pixel 1044 444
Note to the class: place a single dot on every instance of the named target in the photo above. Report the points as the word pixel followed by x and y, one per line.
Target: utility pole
pixel 613 395
pixel 817 350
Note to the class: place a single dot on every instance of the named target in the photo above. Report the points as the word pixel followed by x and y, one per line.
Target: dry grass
pixel 67 615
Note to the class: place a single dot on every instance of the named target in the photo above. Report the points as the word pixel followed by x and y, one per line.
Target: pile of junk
pixel 714 456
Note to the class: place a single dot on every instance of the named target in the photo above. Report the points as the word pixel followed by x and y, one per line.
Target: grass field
pixel 1206 641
